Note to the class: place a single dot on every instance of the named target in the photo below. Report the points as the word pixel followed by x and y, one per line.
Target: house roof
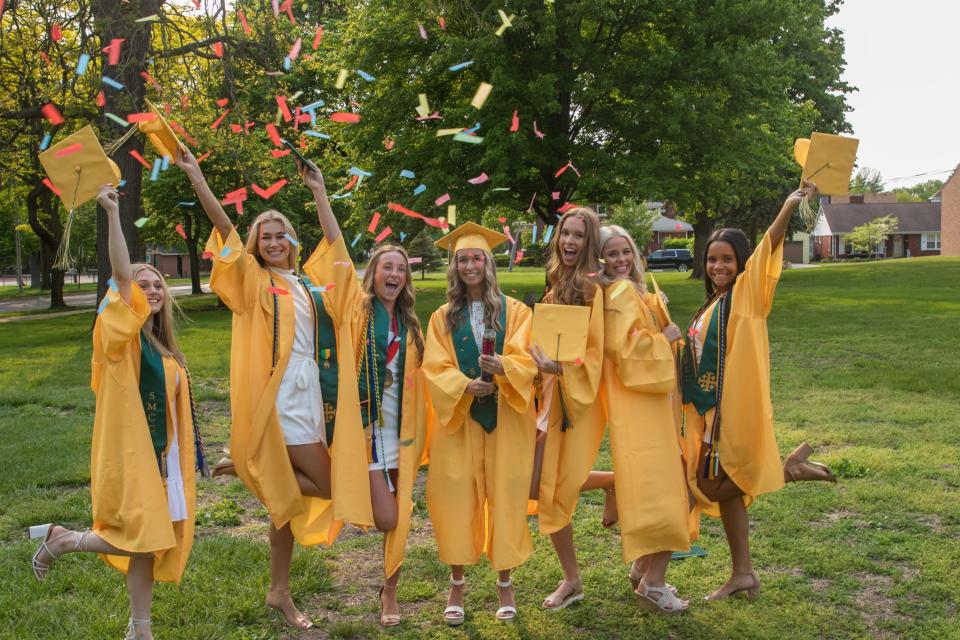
pixel 914 217
pixel 663 224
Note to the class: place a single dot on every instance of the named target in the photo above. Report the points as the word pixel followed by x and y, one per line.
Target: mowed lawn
pixel 865 368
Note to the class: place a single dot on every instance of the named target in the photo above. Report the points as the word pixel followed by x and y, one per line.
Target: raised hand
pixel 108 199
pixel 312 179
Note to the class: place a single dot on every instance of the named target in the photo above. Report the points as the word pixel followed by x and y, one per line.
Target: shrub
pixel 678 243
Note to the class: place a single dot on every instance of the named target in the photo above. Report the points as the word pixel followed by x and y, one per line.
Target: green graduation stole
pixel 153 395
pixel 483 410
pixel 325 352
pixel 702 382
pixel 372 367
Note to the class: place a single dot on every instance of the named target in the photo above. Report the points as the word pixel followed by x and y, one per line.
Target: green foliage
pixel 867 180
pixel 422 247
pixel 678 243
pixel 920 192
pixel 225 513
pixel 847 468
pixel 867 236
pixel 636 219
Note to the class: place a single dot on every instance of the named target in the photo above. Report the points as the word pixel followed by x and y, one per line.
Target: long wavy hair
pixel 741 251
pixel 405 301
pixel 457 294
pixel 637 276
pixel 272 215
pixel 162 334
pixel 577 284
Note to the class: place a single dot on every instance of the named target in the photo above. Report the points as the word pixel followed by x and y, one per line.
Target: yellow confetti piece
pixel 483 91
pixel 507 21
pixel 341 79
pixel 424 107
pixel 452 214
pixel 448 132
pixel 619 289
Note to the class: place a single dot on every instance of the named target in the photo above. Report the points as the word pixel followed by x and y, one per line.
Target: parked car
pixel 679 259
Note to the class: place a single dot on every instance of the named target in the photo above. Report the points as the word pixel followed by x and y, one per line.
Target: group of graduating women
pixel 338 397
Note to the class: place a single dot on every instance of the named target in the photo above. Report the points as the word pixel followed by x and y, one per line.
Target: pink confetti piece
pixel 417 260
pixel 537 131
pixel 66 151
pixel 181 232
pixel 51 113
pixel 243 22
pixel 270 191
pixel 532 199
pixel 317 37
pixel 294 52
pixel 555 195
pixel 433 222
pixel 383 234
pixel 183 132
pixel 146 116
pixel 55 32
pixel 578 362
pixel 153 83
pixel 278 291
pixel 139 158
pixel 207 255
pixel 388 143
pixel 423 32
pixel 374 221
pixel 515 123
pixel 113 51
pixel 442 199
pixel 344 116
pixel 502 219
pixel 44 56
pixel 442 22
pixel 342 263
pixel 519 256
pixel 101 99
pixel 49 185
pixel 480 179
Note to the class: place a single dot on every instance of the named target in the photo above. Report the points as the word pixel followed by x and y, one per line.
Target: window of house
pixel 930 242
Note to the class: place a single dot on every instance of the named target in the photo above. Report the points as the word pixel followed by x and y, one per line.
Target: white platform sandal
pixel 454 615
pixel 506 613
pixel 132 628
pixel 660 600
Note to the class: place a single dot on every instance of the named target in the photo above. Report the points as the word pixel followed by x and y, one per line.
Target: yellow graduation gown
pixel 331 266
pixel 748 449
pixel 128 495
pixel 478 482
pixel 639 378
pixel 256 439
pixel 568 455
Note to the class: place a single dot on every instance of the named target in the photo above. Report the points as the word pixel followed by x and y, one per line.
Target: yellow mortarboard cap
pixel 78 167
pixel 471 235
pixel 158 130
pixel 561 330
pixel 827 160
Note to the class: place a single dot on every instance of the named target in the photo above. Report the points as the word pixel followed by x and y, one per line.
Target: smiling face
pixel 573 237
pixel 470 267
pixel 721 265
pixel 390 276
pixel 272 244
pixel 618 257
pixel 152 285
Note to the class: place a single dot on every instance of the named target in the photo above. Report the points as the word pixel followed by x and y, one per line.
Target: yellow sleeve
pixel 753 293
pixel 120 323
pixel 655 304
pixel 236 274
pixel 519 370
pixel 447 384
pixel 642 356
pixel 330 266
pixel 582 382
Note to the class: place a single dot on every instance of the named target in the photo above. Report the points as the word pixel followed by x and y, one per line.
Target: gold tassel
pixel 808 215
pixel 62 262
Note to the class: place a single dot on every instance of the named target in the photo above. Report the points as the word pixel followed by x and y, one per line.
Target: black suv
pixel 679 259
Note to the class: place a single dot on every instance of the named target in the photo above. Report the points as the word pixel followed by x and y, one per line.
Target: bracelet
pixel 195 184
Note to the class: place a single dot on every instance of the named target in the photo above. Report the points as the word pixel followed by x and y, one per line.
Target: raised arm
pixel 116 245
pixel 209 202
pixel 314 181
pixel 782 222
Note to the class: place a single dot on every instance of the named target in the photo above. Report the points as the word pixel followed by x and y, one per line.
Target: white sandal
pixel 635 579
pixel 574 596
pixel 454 615
pixel 660 600
pixel 40 569
pixel 507 613
pixel 132 628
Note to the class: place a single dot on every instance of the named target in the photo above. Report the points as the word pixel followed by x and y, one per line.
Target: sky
pixel 904 57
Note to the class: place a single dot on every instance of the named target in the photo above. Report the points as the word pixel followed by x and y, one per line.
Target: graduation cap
pixel 158 131
pixel 471 235
pixel 561 330
pixel 827 160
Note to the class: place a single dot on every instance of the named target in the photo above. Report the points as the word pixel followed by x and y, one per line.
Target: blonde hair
pixel 637 276
pixel 577 284
pixel 405 301
pixel 161 334
pixel 272 215
pixel 457 294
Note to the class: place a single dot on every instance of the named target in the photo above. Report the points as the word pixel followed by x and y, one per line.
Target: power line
pixel 919 175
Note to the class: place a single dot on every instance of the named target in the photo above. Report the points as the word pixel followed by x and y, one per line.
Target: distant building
pixel 172 262
pixel 949 199
pixel 666 225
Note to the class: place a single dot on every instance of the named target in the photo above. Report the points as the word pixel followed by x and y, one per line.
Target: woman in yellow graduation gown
pixel 732 455
pixel 283 356
pixel 639 381
pixel 383 394
pixel 481 455
pixel 145 442
pixel 570 415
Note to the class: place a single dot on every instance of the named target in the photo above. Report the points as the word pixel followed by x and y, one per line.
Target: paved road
pixel 76 300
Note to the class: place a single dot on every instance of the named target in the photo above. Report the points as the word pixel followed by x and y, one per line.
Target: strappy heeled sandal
pixel 132 627
pixel 750 592
pixel 660 600
pixel 506 613
pixel 40 569
pixel 575 596
pixel 636 577
pixel 454 615
pixel 388 619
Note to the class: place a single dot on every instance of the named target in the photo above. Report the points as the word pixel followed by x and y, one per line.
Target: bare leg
pixel 656 570
pixel 537 465
pixel 598 480
pixel 567 554
pixel 311 464
pixel 389 607
pixel 385 512
pixel 455 597
pixel 604 480
pixel 140 590
pixel 736 526
pixel 506 595
pixel 281 553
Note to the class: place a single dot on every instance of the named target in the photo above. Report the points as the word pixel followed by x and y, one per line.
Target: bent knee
pixel 385 522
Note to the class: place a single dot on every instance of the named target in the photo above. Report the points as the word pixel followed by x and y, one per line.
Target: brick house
pixel 172 262
pixel 666 225
pixel 949 197
pixel 917 234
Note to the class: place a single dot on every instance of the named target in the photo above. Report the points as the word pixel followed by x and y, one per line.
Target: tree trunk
pixel 49 230
pixel 702 228
pixel 191 230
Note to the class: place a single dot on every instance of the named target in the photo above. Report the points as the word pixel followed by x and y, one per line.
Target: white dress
pixel 176 499
pixel 385 443
pixel 299 398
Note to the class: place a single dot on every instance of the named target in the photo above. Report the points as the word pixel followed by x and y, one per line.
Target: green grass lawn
pixel 864 368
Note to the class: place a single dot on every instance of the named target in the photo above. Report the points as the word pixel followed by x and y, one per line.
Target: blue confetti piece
pixel 165 163
pixel 45 142
pixel 341 196
pixel 355 241
pixel 225 252
pixel 534 241
pixel 103 304
pixel 474 129
pixel 287 64
pixel 82 63
pixel 313 118
pixel 313 106
pixel 184 203
pixel 156 170
pixel 462 65
pixel 420 189
pixel 356 171
pixel 317 134
pixel 291 239
pixel 120 121
pixel 121 183
pixel 402 236
pixel 366 76
pixel 406 173
pixel 112 284
pixel 547 234
pixel 110 82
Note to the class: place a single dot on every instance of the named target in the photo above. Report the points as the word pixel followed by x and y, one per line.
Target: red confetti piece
pixel 236 128
pixel 288 7
pixel 55 32
pixel 216 123
pixel 139 158
pixel 73 148
pixel 350 185
pixel 46 58
pixel 502 219
pixel 274 135
pixel 442 23
pixel 343 116
pixel 383 234
pixel 317 37
pixel 243 21
pixel 279 153
pixel 269 192
pixel 204 157
pixel 515 123
pixel 141 117
pixel 278 291
pixel 218 49
pixel 566 205
pixel 388 143
pixel 184 101
pixel 207 255
pixel 113 51
pixel 240 194
pixel 374 221
pixel 49 185
pixel 101 99
pixel 578 362
pixel 433 222
pixel 51 113
pixel 149 78
pixel 284 109
pixel 222 102
pixel 181 232
pixel 519 256
pixel 183 132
